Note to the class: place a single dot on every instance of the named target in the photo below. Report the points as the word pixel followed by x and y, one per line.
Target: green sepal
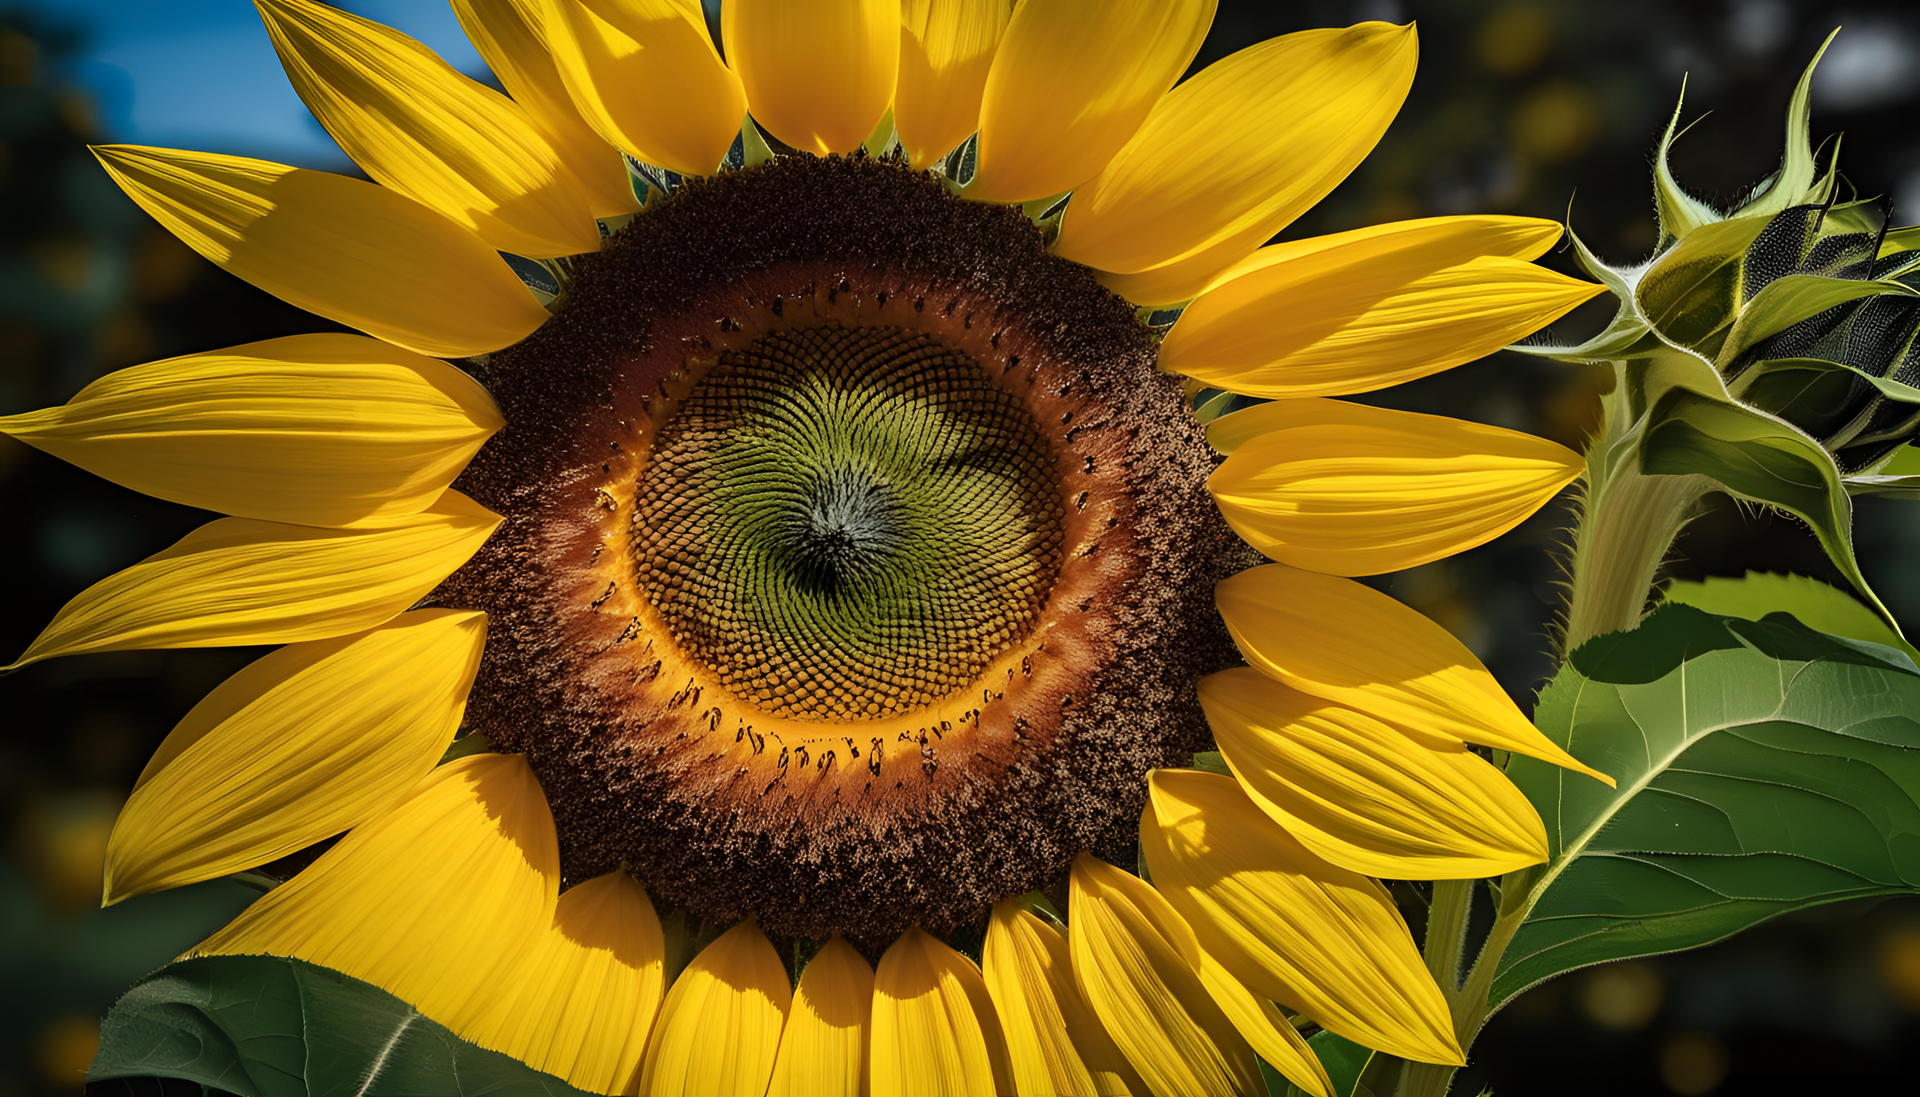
pixel 1763 767
pixel 266 1026
pixel 1761 459
pixel 883 140
pixel 1626 336
pixel 1680 213
pixel 1794 183
pixel 754 149
pixel 1211 404
pixel 1212 761
pixel 1787 300
pixel 1043 908
pixel 1753 382
pixel 473 742
pixel 1903 242
pixel 1343 1060
pixel 1873 484
pixel 1692 291
pixel 1898 473
pixel 1860 217
pixel 1903 461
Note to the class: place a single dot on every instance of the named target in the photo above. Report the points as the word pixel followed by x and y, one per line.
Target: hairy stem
pixel 1446 933
pixel 1626 528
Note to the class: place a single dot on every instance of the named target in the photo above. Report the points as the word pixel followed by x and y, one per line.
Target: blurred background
pixel 1541 107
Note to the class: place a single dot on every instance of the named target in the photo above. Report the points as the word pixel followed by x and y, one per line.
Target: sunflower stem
pixel 1446 935
pixel 1627 525
pixel 1467 1003
pixel 1444 944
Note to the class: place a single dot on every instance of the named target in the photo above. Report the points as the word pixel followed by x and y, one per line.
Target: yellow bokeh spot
pixel 66 844
pixel 1900 965
pixel 1621 996
pixel 64 1050
pixel 1556 121
pixel 1693 1062
pixel 1513 39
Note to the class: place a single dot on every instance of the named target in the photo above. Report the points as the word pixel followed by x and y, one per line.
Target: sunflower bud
pixel 1766 351
pixel 1806 323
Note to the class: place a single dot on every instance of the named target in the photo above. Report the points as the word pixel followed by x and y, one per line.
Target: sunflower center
pixel 847 523
pixel 858 562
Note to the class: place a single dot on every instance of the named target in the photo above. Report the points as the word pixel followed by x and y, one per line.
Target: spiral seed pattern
pixel 848 523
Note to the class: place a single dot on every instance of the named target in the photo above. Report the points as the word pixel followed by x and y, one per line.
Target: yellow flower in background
pixel 833 557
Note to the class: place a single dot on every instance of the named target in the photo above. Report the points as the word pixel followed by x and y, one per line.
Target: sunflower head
pixel 864 557
pixel 760 455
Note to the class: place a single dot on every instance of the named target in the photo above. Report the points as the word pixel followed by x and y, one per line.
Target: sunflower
pixel 758 605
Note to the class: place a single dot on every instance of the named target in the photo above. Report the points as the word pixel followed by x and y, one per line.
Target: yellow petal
pixel 434 902
pixel 1276 126
pixel 1355 490
pixel 1055 1044
pixel 1365 794
pixel 511 36
pixel 238 581
pixel 823 1051
pixel 935 1032
pixel 583 999
pixel 645 76
pixel 946 50
pixel 720 1027
pixel 1315 937
pixel 1136 963
pixel 1367 309
pixel 818 73
pixel 1337 639
pixel 1072 83
pixel 351 251
pixel 301 745
pixel 423 129
pixel 1265 1029
pixel 320 430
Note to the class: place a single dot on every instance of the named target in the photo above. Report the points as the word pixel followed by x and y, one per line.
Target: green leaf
pixel 264 1026
pixel 1763 767
pixel 1343 1059
pixel 1760 459
pixel 1811 602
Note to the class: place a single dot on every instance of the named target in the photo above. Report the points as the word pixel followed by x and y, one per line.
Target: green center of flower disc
pixel 847 523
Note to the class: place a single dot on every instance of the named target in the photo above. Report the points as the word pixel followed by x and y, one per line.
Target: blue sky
pixel 201 73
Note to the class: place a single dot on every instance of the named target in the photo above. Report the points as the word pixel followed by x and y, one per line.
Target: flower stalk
pixel 1627 524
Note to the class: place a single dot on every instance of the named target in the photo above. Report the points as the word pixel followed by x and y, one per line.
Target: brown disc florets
pixel 857 561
